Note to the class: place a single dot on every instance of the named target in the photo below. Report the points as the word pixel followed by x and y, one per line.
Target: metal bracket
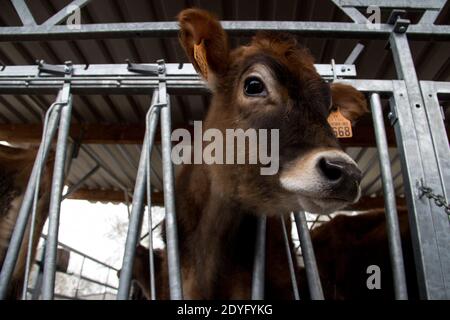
pixel 396 19
pixel 161 66
pixel 43 67
pixel 392 116
pixel 143 69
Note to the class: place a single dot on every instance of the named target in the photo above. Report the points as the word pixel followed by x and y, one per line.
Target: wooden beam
pixel 115 196
pixel 363 135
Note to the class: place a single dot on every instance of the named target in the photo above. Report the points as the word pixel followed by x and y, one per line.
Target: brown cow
pixel 15 169
pixel 347 245
pixel 269 84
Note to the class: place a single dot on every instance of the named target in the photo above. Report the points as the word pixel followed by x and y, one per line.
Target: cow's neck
pixel 223 240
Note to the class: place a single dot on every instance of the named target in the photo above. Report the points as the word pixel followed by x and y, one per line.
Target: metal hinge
pixel 64 70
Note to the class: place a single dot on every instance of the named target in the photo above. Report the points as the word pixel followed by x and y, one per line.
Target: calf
pixel 269 84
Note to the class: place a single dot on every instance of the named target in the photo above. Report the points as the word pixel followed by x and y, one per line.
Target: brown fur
pixel 15 169
pixel 217 205
pixel 347 245
pixel 344 248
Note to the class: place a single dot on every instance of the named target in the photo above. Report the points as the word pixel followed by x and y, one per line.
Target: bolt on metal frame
pixel 415 115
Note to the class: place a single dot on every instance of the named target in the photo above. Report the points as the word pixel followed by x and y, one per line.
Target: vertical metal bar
pixel 414 136
pixel 259 262
pixel 392 225
pixel 15 242
pixel 41 166
pixel 151 125
pixel 312 273
pixel 169 199
pixel 135 220
pixel 442 155
pixel 55 200
pixel 290 261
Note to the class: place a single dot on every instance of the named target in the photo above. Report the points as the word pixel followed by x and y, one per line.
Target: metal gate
pixel 414 112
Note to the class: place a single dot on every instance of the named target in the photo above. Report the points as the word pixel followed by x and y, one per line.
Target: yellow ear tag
pixel 200 58
pixel 342 127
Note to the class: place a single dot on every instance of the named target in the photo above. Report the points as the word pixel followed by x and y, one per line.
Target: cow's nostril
pixel 331 170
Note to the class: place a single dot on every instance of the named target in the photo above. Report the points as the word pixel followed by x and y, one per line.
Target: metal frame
pixel 415 114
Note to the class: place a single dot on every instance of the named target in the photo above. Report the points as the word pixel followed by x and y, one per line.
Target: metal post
pixel 312 274
pixel 15 242
pixel 135 220
pixel 428 228
pixel 55 200
pixel 290 261
pixel 173 257
pixel 259 262
pixel 151 125
pixel 41 166
pixel 392 226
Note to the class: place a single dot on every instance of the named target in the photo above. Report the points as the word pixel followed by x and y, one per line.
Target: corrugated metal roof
pixel 431 59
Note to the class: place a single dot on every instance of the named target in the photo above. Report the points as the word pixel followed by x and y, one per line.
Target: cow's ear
pixel 205 43
pixel 349 101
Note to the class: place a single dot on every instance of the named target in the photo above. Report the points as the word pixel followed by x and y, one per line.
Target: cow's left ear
pixel 349 101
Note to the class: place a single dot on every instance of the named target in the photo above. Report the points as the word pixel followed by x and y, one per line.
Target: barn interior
pixel 111 127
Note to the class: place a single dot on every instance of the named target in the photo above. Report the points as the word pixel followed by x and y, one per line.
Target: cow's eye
pixel 254 87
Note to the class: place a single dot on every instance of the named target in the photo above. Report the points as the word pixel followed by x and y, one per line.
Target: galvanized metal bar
pixel 351 12
pixel 290 261
pixel 113 71
pixel 428 230
pixel 39 158
pixel 359 47
pixel 234 28
pixel 442 154
pixel 392 225
pixel 135 220
pixel 259 261
pixel 151 123
pixel 407 4
pixel 55 200
pixel 16 239
pixel 429 16
pixel 79 184
pixel 65 12
pixel 312 273
pixel 426 253
pixel 24 12
pixel 173 257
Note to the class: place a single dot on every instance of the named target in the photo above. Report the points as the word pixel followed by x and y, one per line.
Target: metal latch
pixel 141 68
pixel 64 70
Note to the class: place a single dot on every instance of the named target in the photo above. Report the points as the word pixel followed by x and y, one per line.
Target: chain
pixel 439 200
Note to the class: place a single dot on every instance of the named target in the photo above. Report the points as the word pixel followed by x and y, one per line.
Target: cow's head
pixel 272 83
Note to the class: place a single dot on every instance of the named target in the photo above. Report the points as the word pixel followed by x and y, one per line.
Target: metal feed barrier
pixel 414 112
